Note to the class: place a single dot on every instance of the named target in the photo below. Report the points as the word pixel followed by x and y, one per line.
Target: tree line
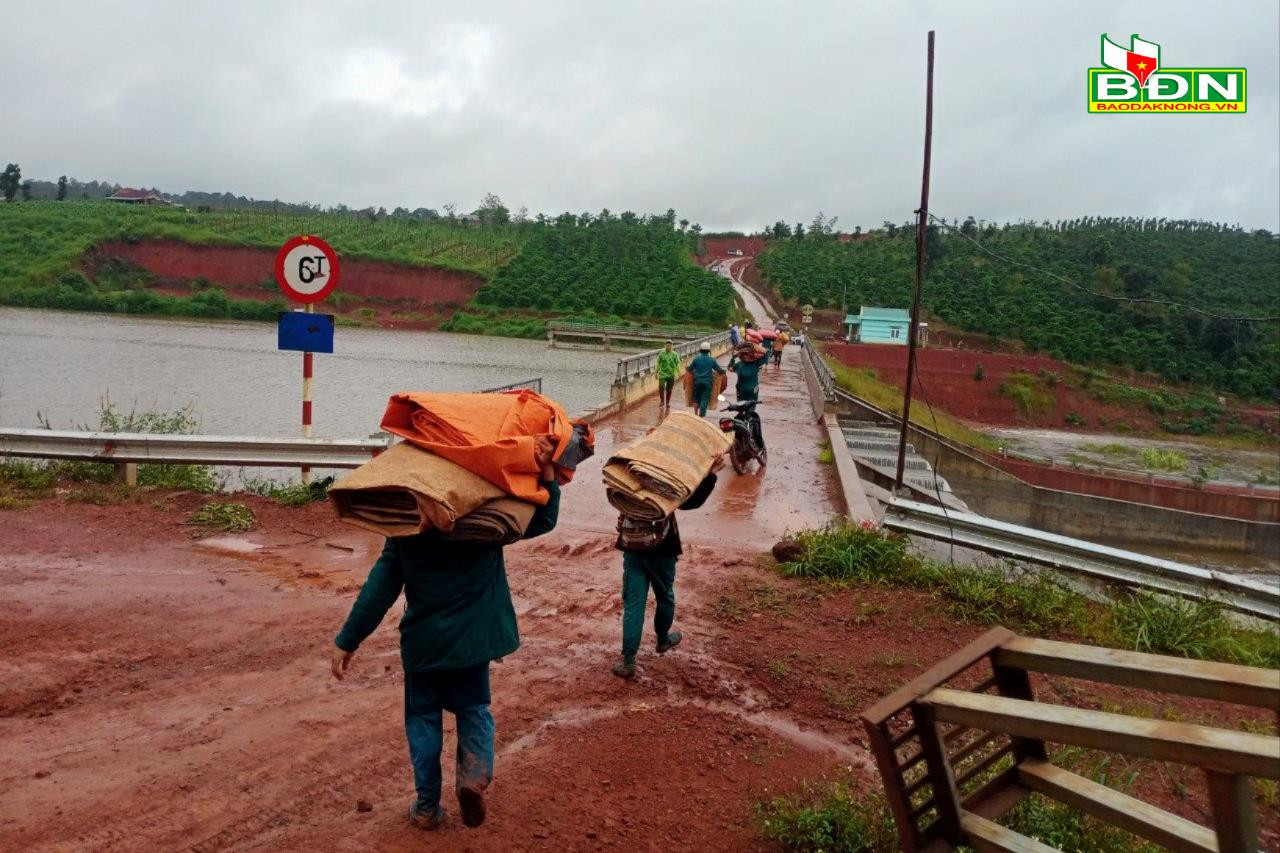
pixel 1215 267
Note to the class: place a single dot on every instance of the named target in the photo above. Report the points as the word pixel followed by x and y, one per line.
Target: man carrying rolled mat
pixel 746 364
pixel 655 567
pixel 458 617
pixel 703 367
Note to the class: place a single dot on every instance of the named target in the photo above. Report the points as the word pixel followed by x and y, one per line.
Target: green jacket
pixel 748 374
pixel 458 609
pixel 668 365
pixel 702 366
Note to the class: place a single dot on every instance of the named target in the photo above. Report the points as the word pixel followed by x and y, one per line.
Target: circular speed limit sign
pixel 307 268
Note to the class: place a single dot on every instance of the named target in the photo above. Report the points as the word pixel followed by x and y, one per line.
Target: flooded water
pixel 62 364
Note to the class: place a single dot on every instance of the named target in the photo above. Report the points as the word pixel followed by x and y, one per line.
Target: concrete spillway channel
pixel 875 446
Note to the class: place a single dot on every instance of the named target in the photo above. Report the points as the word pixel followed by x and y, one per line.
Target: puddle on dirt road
pixel 807 739
pixel 233 544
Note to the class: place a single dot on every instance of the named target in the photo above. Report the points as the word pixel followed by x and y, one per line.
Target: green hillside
pixel 1213 267
pixel 623 267
pixel 41 240
pixel 626 265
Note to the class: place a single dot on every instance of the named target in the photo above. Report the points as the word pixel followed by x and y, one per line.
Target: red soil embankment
pixel 718 247
pixel 947 378
pixel 246 268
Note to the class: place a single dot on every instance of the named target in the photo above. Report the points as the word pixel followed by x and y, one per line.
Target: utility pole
pixel 922 222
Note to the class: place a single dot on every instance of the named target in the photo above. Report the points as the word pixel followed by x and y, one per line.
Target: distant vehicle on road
pixel 737 253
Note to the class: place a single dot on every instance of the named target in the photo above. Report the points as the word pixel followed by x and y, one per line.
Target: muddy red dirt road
pixel 162 692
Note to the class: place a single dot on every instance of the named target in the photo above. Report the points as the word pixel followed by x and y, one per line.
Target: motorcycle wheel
pixel 738 459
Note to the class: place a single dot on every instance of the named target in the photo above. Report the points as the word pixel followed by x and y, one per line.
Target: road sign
pixel 806 308
pixel 307 269
pixel 305 332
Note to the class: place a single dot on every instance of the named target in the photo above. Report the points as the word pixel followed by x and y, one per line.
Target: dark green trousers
pixel 701 398
pixel 639 572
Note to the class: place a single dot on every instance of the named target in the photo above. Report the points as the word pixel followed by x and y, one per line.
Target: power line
pixel 1099 293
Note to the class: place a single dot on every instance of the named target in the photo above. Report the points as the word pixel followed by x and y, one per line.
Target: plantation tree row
pixel 628 265
pixel 1218 268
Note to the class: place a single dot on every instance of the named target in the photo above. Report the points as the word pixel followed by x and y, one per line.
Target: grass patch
pixel 825 455
pixel 13 502
pixel 1113 449
pixel 229 517
pixel 1027 393
pixel 1163 460
pixel 1032 602
pixel 864 383
pixel 831 818
pixel 291 495
pixel 26 475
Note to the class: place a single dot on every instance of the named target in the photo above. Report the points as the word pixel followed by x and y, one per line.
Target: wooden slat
pixel 940 672
pixel 987 837
pixel 945 795
pixel 1185 743
pixel 1245 685
pixel 1140 818
pixel 1231 796
pixel 899 803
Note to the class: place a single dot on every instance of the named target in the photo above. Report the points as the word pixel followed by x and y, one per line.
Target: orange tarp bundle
pixel 491 435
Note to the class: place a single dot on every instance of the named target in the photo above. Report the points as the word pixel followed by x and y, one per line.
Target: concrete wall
pixel 995 493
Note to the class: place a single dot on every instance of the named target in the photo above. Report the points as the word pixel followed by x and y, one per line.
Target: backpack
pixel 637 534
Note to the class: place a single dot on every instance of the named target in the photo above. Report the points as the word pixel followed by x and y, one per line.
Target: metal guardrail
pixel 1087 558
pixel 534 384
pixel 826 379
pixel 246 451
pixel 646 362
pixel 569 328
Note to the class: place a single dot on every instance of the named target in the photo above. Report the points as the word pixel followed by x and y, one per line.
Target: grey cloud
pixel 734 113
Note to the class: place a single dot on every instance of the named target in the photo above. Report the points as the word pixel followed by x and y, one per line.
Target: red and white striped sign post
pixel 307 271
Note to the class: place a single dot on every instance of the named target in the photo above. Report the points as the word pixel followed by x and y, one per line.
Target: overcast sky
pixel 735 114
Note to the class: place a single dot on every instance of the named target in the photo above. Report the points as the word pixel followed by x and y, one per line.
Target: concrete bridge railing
pixel 637 375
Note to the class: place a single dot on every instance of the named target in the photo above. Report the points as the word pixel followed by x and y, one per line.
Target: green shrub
pixel 851 552
pixel 230 517
pixel 1074 419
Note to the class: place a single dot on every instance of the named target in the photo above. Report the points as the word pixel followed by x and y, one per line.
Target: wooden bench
pixel 962 743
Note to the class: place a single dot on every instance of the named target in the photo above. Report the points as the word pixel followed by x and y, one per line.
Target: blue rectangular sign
pixel 305 332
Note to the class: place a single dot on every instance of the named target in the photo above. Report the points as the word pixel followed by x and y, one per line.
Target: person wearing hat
pixel 668 369
pixel 703 367
pixel 746 363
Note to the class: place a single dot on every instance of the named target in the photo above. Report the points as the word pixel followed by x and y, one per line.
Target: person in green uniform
pixel 656 568
pixel 703 367
pixel 668 369
pixel 748 385
pixel 458 617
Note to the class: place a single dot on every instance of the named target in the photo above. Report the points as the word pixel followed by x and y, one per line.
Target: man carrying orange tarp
pixel 492 435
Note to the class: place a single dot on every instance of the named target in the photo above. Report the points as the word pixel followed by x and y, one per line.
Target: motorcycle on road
pixel 748 438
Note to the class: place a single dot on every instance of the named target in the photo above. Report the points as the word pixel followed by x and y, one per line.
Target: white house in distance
pixel 882 326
